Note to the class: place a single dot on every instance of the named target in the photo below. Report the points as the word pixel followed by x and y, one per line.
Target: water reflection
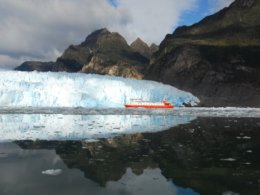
pixel 150 181
pixel 79 127
pixel 205 156
pixel 23 168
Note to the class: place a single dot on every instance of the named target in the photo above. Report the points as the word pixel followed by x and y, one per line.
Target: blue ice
pixel 82 90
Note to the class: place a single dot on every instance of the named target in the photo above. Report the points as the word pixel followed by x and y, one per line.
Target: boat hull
pixel 149 106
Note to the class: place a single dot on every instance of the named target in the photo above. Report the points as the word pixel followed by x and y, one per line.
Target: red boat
pixel 138 103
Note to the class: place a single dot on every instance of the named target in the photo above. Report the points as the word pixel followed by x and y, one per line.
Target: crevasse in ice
pixel 85 90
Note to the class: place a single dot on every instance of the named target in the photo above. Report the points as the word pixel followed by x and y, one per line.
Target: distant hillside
pixel 35 65
pixel 217 59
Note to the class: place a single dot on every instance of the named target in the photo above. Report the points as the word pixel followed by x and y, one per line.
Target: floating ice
pixel 82 90
pixel 230 193
pixel 81 127
pixel 245 137
pixel 228 159
pixel 52 172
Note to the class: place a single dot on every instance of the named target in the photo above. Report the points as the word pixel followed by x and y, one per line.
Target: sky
pixel 42 30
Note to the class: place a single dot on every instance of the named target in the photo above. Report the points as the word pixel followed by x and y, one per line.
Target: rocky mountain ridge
pixel 217 59
pixel 102 52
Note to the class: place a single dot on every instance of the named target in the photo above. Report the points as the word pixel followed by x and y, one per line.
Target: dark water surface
pixel 195 156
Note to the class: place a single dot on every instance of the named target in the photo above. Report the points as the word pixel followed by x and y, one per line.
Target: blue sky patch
pixel 193 16
pixel 114 3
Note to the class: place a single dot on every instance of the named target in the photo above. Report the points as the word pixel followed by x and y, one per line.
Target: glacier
pixel 51 89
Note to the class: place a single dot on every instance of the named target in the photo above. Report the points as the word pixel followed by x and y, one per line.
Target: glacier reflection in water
pixel 81 127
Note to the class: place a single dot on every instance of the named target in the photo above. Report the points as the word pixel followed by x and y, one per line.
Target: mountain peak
pixel 139 39
pixel 140 46
pixel 99 32
pixel 103 52
pixel 103 37
pixel 139 43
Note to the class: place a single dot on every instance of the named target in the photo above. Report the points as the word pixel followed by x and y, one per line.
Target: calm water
pixel 66 154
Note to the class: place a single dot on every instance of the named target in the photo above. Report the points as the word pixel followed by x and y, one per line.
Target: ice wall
pixel 86 90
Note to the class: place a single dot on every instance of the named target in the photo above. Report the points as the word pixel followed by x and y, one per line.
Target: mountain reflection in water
pixel 205 156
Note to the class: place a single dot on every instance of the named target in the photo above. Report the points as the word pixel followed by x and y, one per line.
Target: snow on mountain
pixel 85 90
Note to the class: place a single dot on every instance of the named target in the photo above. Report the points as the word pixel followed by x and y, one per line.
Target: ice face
pixel 85 90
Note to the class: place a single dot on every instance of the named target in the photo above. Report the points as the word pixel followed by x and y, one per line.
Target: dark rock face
pixel 244 3
pixel 35 65
pixel 237 24
pixel 73 59
pixel 216 59
pixel 103 52
pixel 153 48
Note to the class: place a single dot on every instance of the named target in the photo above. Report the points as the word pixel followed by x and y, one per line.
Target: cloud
pixel 36 29
pixel 152 19
pixel 8 62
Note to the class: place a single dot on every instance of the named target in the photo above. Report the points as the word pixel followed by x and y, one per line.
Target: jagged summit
pixel 92 38
pixel 139 41
pixel 104 36
pixel 140 46
pixel 103 52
